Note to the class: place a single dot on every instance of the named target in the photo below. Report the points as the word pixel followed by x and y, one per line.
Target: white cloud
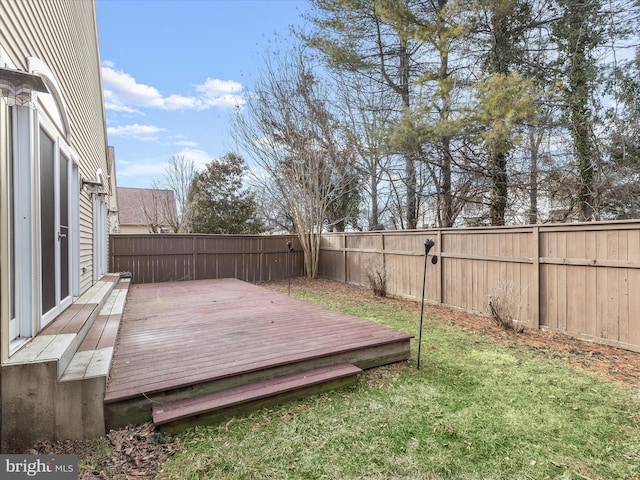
pixel 137 131
pixel 186 143
pixel 200 157
pixel 140 169
pixel 221 93
pixel 177 102
pixel 216 87
pixel 120 88
pixel 123 93
pixel 226 101
pixel 115 107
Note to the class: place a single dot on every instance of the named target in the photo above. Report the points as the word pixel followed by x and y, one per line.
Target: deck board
pixel 250 393
pixel 71 320
pixel 176 334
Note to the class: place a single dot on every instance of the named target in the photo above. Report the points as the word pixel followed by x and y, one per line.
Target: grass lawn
pixel 477 409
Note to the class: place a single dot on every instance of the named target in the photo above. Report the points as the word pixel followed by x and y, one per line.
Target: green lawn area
pixel 475 410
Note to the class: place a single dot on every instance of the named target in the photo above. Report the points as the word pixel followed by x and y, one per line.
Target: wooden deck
pixel 175 336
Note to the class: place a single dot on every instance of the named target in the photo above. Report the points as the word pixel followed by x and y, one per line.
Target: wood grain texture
pixel 173 335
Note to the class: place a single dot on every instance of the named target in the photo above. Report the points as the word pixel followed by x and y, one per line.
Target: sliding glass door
pixel 55 255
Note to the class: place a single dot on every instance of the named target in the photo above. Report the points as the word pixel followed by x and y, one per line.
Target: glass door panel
pixel 63 232
pixel 48 230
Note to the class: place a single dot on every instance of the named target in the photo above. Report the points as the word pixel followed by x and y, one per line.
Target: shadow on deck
pixel 199 351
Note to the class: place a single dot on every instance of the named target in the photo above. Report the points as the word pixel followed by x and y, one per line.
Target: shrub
pixel 503 309
pixel 378 280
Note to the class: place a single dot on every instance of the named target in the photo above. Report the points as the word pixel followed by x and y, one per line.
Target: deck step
pixel 59 341
pixel 214 406
pixel 60 376
pixel 93 356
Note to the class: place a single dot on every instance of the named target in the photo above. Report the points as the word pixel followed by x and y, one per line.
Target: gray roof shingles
pixel 137 205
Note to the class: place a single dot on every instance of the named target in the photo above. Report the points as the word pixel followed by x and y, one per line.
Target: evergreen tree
pixel 578 34
pixel 432 125
pixel 220 203
pixel 504 96
pixel 352 36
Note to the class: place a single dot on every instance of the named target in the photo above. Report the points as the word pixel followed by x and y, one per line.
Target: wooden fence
pixel 582 279
pixel 168 258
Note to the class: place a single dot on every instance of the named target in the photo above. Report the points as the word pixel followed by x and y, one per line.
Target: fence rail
pixel 169 258
pixel 582 279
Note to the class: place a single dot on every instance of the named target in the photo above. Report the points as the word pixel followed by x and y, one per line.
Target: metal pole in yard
pixel 289 250
pixel 428 244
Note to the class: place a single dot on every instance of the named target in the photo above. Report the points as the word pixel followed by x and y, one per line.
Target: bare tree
pixel 177 176
pixel 158 207
pixel 367 113
pixel 293 137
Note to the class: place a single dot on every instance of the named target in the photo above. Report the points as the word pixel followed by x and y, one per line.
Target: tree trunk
pixel 411 208
pixel 581 35
pixel 534 148
pixel 499 183
pixel 374 219
pixel 447 216
pixel 583 150
pixel 447 210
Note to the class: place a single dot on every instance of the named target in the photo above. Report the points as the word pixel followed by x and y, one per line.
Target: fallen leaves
pixel 134 452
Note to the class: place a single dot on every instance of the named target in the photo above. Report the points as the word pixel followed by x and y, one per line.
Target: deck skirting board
pixel 125 410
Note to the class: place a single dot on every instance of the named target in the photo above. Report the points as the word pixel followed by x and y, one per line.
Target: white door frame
pixel 21 278
pixel 59 238
pixel 21 325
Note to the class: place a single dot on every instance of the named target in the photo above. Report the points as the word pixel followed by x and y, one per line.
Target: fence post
pixel 384 255
pixel 194 250
pixel 535 278
pixel 261 260
pixel 439 280
pixel 344 255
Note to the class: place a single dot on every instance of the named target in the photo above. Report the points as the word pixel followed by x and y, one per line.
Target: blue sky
pixel 174 72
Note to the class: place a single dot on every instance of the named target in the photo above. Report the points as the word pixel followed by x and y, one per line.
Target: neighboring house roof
pixel 146 206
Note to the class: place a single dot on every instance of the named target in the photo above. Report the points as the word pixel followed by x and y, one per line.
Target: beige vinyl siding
pixel 63 34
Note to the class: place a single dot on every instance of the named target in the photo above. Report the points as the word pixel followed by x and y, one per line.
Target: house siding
pixel 63 35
